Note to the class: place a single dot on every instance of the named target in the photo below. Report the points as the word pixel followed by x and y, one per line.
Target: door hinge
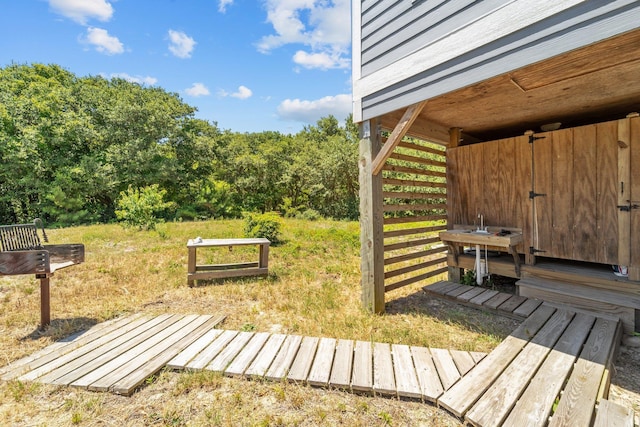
pixel 534 138
pixel 629 206
pixel 534 251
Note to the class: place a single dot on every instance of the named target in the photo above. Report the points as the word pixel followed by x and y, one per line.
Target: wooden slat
pixel 302 364
pixel 51 362
pixel 265 358
pixel 585 177
pixel 224 358
pixel 446 287
pixel 413 219
pixel 462 289
pixel 607 189
pixel 424 149
pixel 611 414
pixel 535 405
pixel 418 160
pixel 383 378
pixel 461 396
pixel 247 355
pixel 415 279
pixel 624 179
pixel 184 357
pixel 477 356
pixel 280 367
pixel 447 370
pixel 414 255
pixel 411 243
pixel 69 371
pixel 320 372
pixel 413 183
pixel 135 373
pixel 494 405
pixel 471 293
pixel 407 383
pixel 526 308
pixel 342 365
pixel 483 297
pixel 411 231
pixel 582 388
pixel 415 171
pixel 562 195
pixel 497 300
pixel 413 195
pixel 104 376
pixel 362 378
pixel 512 303
pixel 414 207
pixel 63 346
pixel 463 360
pixel 203 358
pixel 411 268
pixel 430 384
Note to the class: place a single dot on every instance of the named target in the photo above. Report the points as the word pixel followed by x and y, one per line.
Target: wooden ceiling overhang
pixel 592 84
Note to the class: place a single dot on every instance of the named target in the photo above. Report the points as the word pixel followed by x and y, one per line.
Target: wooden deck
pixel 554 369
pixel 118 356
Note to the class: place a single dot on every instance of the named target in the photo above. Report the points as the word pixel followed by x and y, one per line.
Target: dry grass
pixel 313 289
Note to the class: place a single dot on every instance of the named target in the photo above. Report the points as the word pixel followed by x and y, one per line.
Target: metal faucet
pixel 481 222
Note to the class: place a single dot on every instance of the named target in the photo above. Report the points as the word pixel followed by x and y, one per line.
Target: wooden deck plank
pixel 430 384
pixel 582 388
pixel 483 297
pixel 342 365
pixel 459 398
pixel 450 285
pixel 181 360
pixel 436 286
pixel 446 367
pixel 302 363
pixel 246 356
pixel 362 378
pixel 494 405
pixel 495 301
pixel 63 346
pixel 526 308
pixel 407 383
pixel 53 362
pixel 477 356
pixel 534 406
pixel 226 356
pixel 104 376
pixel 203 358
pixel 383 378
pixel 463 360
pixel 458 290
pixel 279 369
pixel 471 293
pixel 611 414
pixel 320 372
pixel 512 303
pixel 265 358
pixel 136 373
pixel 69 372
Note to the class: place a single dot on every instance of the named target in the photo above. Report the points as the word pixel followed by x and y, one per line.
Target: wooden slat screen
pixel 415 202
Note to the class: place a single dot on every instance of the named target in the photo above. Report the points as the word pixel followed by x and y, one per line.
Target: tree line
pixel 71 147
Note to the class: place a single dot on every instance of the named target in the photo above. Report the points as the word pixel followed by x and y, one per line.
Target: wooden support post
pixel 371 220
pixel 45 302
pixel 624 191
pixel 455 273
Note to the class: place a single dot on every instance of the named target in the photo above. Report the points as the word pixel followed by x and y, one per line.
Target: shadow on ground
pixel 62 329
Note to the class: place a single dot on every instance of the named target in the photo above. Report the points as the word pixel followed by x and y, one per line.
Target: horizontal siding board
pixel 571 29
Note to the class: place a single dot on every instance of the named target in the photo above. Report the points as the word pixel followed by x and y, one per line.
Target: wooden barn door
pixel 574 202
pixel 630 215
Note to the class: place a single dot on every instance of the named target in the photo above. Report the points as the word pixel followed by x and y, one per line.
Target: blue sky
pixel 249 65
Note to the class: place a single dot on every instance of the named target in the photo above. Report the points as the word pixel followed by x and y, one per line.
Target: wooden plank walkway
pixel 510 305
pixel 552 370
pixel 117 356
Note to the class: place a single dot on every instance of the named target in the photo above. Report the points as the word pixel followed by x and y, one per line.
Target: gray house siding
pixel 585 23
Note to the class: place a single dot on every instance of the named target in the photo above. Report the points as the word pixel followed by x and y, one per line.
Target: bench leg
pixel 45 303
pixel 191 265
pixel 264 256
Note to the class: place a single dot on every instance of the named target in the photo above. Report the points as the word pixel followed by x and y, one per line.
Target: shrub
pixel 265 225
pixel 139 207
pixel 309 215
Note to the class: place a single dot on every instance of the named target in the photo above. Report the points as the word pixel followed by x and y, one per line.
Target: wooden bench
pixel 21 252
pixel 197 271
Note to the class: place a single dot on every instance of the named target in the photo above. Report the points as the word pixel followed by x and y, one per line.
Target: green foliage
pixel 265 225
pixel 71 145
pixel 139 207
pixel 469 278
pixel 309 215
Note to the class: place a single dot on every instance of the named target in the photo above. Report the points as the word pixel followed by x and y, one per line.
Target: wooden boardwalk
pixel 554 369
pixel 118 356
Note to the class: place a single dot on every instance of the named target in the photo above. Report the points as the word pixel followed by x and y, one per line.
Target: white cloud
pixel 180 44
pixel 323 26
pixel 82 10
pixel 243 92
pixel 147 80
pixel 222 5
pixel 197 89
pixel 103 42
pixel 311 111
